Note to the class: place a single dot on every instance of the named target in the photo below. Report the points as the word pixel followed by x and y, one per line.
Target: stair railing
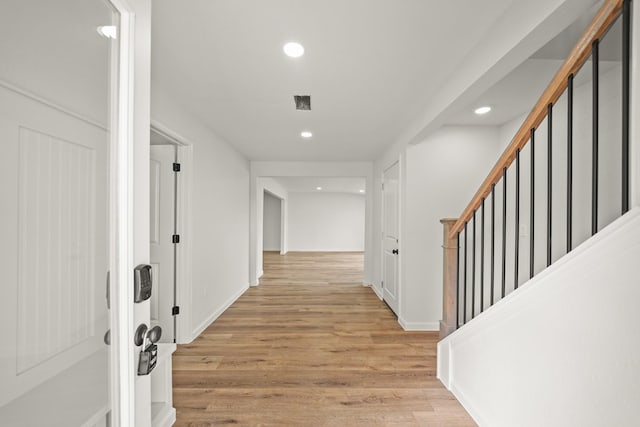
pixel 470 282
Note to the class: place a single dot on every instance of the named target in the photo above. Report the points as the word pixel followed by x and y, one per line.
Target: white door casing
pixel 162 227
pixel 390 236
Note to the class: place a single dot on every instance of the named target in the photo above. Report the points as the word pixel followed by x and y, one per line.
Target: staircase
pixel 541 269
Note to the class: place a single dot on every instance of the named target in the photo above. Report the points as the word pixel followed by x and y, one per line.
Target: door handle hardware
pixel 149 356
pixel 141 333
pixel 395 252
pixel 154 334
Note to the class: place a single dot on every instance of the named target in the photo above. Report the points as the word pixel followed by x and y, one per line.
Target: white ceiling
pixel 369 67
pixel 517 93
pixel 512 96
pixel 328 185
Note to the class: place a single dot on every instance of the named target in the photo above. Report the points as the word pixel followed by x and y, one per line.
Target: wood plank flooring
pixel 311 347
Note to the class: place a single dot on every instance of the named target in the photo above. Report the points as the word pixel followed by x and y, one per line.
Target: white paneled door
pixel 162 229
pixel 390 239
pixel 54 253
pixel 66 213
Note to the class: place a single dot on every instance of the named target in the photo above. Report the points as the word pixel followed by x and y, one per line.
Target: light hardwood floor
pixel 311 347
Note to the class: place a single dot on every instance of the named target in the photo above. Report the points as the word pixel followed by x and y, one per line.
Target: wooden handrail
pixel 607 14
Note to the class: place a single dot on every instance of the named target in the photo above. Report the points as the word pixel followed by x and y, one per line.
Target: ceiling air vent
pixel 303 102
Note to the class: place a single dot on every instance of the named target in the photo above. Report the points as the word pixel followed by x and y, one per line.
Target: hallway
pixel 311 347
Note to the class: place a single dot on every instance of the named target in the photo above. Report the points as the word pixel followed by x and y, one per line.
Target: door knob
pixel 141 332
pixel 395 252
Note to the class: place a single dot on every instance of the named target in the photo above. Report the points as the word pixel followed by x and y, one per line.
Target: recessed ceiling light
pixel 306 134
pixel 108 31
pixel 293 49
pixel 318 188
pixel 482 110
pixel 362 191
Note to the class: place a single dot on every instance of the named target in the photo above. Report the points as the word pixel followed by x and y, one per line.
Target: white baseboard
pixel 260 274
pixel 209 320
pixel 468 406
pixel 419 326
pixel 256 283
pixel 165 418
pixel 376 291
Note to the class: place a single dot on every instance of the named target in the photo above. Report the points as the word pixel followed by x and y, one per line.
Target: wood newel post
pixel 449 279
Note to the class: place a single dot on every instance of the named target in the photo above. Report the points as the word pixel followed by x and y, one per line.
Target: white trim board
pixel 375 290
pixel 419 326
pixel 212 318
pixel 53 105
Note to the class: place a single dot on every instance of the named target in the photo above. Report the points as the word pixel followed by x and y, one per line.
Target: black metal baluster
pixel 464 286
pixel 493 240
pixel 517 221
pixel 457 280
pixel 626 55
pixel 532 208
pixel 482 259
pixel 549 178
pixel 595 58
pixel 569 163
pixel 473 269
pixel 504 230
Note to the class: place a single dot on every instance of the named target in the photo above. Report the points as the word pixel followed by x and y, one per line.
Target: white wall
pixel 326 222
pixel 562 350
pixel 220 215
pixel 442 175
pixel 271 225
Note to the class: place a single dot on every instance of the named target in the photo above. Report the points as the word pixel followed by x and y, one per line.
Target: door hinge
pixel 175 238
pixel 382 283
pixel 176 167
pixel 383 187
pixel 175 310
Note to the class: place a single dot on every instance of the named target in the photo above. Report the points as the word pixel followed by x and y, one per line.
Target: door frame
pixel 184 250
pixel 122 394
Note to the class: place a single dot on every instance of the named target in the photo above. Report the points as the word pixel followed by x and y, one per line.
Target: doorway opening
pixel 274 224
pixel 169 233
pixel 311 220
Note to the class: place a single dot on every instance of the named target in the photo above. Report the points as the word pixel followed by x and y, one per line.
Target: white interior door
pixel 390 238
pixel 162 228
